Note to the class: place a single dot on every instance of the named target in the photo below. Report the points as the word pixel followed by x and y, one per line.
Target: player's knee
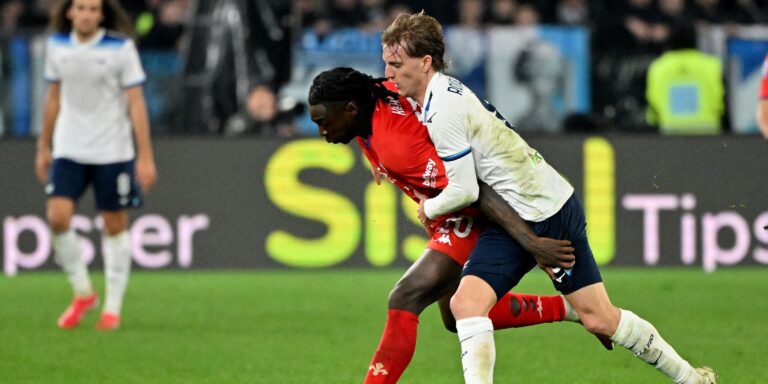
pixel 59 222
pixel 114 224
pixel 597 324
pixel 409 296
pixel 462 306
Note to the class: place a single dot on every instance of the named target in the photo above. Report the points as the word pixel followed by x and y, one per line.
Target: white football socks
pixel 570 313
pixel 67 255
pixel 640 337
pixel 478 351
pixel 117 268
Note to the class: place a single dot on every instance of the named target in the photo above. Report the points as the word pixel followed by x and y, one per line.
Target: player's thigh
pixel 59 211
pixel 570 223
pixel 431 277
pixel 115 186
pixel 498 260
pixel 68 179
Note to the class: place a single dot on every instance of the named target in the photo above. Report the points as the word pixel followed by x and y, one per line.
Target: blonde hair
pixel 420 35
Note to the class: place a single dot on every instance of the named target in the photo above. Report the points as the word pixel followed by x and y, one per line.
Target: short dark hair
pixel 345 84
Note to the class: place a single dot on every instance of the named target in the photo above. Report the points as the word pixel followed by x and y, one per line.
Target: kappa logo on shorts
pixel 445 239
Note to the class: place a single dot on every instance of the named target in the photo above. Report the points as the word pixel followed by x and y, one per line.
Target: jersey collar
pixel 428 96
pixel 92 41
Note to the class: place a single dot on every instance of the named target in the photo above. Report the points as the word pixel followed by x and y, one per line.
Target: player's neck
pixel 421 92
pixel 87 36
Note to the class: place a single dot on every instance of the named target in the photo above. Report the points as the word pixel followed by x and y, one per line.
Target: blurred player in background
pixel 347 104
pixel 762 102
pixel 476 142
pixel 94 107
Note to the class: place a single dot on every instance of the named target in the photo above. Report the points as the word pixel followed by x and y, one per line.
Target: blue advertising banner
pixel 538 75
pixel 534 76
pixel 745 59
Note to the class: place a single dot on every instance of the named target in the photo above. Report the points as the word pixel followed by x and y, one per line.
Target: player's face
pixel 86 15
pixel 410 74
pixel 335 122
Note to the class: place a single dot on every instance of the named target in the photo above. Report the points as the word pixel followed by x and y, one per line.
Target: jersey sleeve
pixel 50 71
pixel 131 74
pixel 764 81
pixel 448 132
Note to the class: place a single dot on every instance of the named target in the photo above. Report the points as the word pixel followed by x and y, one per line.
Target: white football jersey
pixel 93 126
pixel 463 126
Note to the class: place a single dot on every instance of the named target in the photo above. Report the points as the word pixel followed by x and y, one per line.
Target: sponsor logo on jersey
pixel 445 239
pixel 396 107
pixel 535 157
pixel 430 174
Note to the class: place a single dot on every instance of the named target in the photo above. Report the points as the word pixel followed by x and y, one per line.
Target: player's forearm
pixel 140 121
pixel 497 209
pixel 462 189
pixel 762 117
pixel 50 113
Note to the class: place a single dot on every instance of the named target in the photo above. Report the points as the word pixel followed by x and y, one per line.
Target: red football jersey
pixel 400 148
pixel 764 81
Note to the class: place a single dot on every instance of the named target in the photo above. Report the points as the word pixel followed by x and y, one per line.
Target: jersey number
pixel 462 225
pixel 488 106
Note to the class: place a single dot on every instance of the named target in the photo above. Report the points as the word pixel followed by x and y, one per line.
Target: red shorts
pixel 456 235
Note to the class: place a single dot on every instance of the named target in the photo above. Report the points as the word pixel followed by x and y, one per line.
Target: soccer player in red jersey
pixel 347 104
pixel 762 102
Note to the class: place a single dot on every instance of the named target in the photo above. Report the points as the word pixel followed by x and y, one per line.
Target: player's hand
pixel 43 161
pixel 422 216
pixel 146 173
pixel 552 252
pixel 548 271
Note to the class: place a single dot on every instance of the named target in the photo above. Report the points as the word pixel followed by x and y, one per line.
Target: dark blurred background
pixel 242 67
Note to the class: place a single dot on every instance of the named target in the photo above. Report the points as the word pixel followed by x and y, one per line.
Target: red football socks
pixel 395 348
pixel 520 310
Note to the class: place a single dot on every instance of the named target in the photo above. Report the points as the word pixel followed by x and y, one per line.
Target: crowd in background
pixel 617 29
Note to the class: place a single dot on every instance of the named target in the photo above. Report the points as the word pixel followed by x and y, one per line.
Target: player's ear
pixel 426 63
pixel 351 107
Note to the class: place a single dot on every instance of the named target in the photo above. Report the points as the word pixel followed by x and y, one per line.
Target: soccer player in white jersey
pixel 94 108
pixel 476 142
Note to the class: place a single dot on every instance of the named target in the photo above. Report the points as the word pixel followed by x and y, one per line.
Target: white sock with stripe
pixel 117 268
pixel 67 254
pixel 640 337
pixel 478 350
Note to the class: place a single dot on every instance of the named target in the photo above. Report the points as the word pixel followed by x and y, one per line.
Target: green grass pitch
pixel 323 326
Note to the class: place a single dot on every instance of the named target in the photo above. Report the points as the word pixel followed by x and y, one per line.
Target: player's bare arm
pixel 546 251
pixel 51 106
pixel 146 172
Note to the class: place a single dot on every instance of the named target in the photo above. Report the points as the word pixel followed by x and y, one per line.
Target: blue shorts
pixel 501 262
pixel 114 185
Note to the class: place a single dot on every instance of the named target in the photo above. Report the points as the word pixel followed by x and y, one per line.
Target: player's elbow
pixel 471 194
